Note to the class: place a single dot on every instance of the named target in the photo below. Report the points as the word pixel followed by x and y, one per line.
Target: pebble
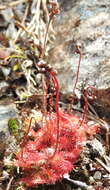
pixel 97 175
pixel 7 111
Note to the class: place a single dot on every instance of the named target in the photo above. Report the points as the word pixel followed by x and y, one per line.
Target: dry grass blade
pixel 9 184
pixel 103 165
pixel 12 4
pixel 24 18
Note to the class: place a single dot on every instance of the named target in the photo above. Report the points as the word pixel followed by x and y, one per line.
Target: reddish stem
pixel 85 109
pixel 92 97
pixel 54 11
pixel 56 85
pixel 78 69
pixel 25 138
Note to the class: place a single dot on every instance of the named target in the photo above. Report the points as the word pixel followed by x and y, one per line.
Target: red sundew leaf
pixel 72 156
pixel 61 165
pixel 65 118
pixel 37 154
pixel 32 180
pixel 28 159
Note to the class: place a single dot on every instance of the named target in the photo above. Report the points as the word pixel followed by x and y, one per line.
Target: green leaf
pixel 16 67
pixel 13 126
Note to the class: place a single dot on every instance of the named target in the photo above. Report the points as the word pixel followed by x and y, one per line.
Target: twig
pixel 79 183
pixel 24 18
pixel 45 39
pixel 12 4
pixel 22 27
pixel 9 184
pixel 103 165
pixel 32 24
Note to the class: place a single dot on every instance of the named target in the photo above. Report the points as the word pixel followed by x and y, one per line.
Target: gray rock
pixel 97 175
pixel 7 142
pixel 87 22
pixel 7 111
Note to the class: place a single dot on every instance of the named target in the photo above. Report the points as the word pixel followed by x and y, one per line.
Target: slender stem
pixel 78 69
pixel 9 184
pixel 56 108
pixel 85 109
pixel 25 138
pixel 45 39
pixel 27 132
pixel 86 97
pixel 77 75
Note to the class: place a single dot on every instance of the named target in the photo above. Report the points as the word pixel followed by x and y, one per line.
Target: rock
pixel 7 111
pixel 7 142
pixel 97 175
pixel 87 22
